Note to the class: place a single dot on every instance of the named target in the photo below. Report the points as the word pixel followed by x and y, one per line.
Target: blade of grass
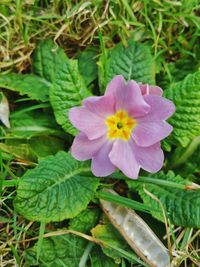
pixel 40 239
pixel 126 202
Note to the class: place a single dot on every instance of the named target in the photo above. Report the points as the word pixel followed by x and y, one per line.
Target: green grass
pixel 171 28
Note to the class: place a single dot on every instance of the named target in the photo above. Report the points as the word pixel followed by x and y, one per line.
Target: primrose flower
pixel 122 129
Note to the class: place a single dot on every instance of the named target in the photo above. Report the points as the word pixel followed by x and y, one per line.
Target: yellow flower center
pixel 120 125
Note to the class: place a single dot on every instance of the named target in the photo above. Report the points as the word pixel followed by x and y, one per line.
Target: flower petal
pixel 149 158
pixel 101 164
pixel 148 133
pixel 161 108
pixel 100 105
pixel 123 157
pixel 149 89
pixel 84 149
pixel 114 85
pixel 87 122
pixel 127 96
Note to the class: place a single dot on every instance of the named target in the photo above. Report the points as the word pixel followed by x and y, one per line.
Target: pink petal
pixel 87 122
pixel 127 96
pixel 123 157
pixel 161 108
pixel 101 164
pixel 100 105
pixel 84 149
pixel 149 158
pixel 147 134
pixel 149 89
pixel 114 85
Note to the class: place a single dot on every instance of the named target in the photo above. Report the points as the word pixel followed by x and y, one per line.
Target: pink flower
pixel 122 129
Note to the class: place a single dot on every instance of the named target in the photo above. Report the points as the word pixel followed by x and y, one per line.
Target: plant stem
pixel 149 180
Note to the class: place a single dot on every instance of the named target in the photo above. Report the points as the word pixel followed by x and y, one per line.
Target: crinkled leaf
pixel 87 64
pixel 85 220
pixel 47 58
pixel 186 120
pixel 34 86
pixel 67 249
pixel 133 62
pixel 68 86
pixel 54 190
pixel 181 206
pixel 68 91
pixel 4 110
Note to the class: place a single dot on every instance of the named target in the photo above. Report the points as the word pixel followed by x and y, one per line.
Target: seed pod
pixel 137 233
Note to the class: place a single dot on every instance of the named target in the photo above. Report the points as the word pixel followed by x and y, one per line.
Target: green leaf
pixel 19 149
pixel 67 249
pixel 54 74
pixel 186 96
pixel 182 207
pixel 133 62
pixel 68 91
pixel 190 165
pixel 32 149
pixel 47 58
pixel 182 155
pixel 87 64
pixel 33 86
pixel 115 245
pixel 46 145
pixel 54 190
pixel 33 123
pixel 85 220
pixel 68 86
pixel 99 259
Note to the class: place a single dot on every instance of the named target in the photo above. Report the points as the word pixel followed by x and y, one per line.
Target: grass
pixel 172 28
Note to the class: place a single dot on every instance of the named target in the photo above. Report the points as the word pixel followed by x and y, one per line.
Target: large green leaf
pixel 47 58
pixel 68 87
pixel 34 86
pixel 186 120
pixel 68 91
pixel 67 249
pixel 182 206
pixel 133 62
pixel 54 191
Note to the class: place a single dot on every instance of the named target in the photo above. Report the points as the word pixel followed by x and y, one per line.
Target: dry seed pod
pixel 4 110
pixel 137 233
